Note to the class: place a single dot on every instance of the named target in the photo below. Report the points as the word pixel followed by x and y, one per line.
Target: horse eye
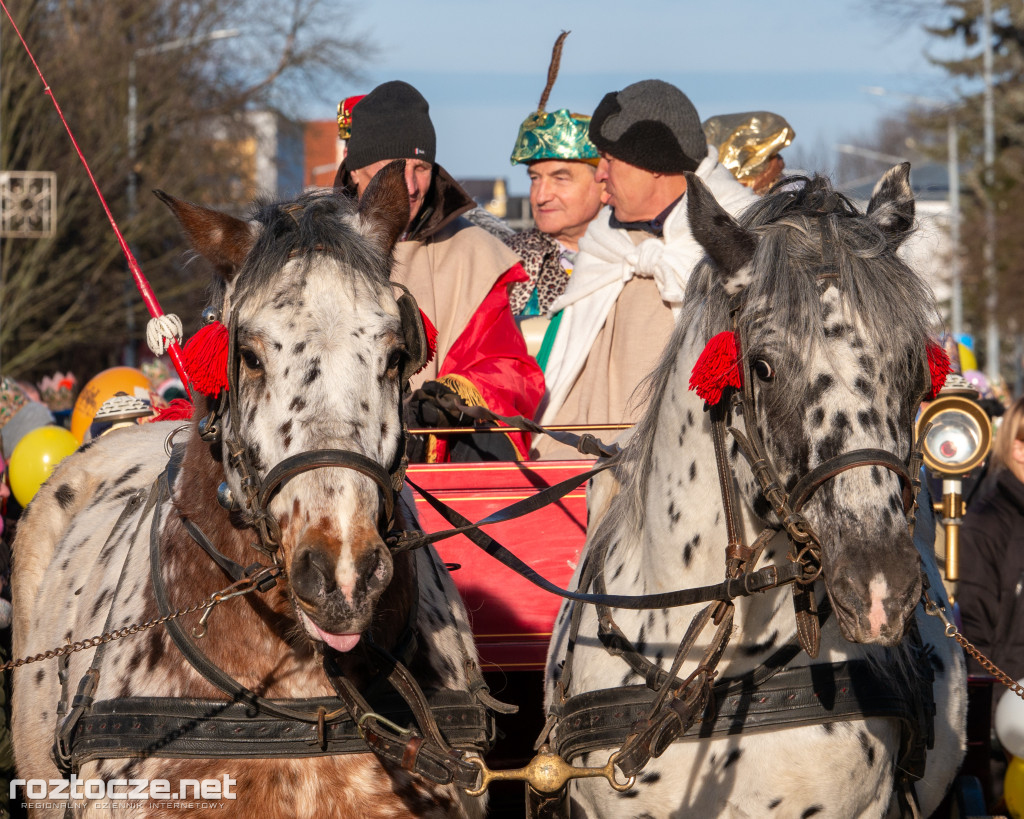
pixel 396 359
pixel 764 370
pixel 250 359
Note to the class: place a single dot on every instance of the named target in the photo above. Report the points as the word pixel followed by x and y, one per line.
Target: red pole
pixel 174 350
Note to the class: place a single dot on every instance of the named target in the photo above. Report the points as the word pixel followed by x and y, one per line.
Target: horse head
pixel 832 329
pixel 309 431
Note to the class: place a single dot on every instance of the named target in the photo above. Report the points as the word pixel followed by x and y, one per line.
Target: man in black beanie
pixel 459 275
pixel 619 308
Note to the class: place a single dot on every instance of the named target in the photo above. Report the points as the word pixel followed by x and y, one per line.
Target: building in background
pixel 264 153
pixel 324 152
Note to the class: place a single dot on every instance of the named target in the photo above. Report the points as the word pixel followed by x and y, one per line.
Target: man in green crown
pixel 561 162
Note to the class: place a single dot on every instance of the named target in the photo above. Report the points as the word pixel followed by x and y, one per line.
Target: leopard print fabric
pixel 541 260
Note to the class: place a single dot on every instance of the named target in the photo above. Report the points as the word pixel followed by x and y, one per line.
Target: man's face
pixel 417 180
pixel 565 197
pixel 628 189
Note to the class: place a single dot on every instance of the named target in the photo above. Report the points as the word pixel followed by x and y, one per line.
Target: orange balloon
pixel 98 389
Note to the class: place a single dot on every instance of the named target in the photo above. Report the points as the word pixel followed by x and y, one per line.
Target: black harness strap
pixel 806 695
pixel 165 727
pixel 746 584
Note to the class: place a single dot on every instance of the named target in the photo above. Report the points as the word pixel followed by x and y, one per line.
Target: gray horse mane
pixel 321 220
pixel 793 225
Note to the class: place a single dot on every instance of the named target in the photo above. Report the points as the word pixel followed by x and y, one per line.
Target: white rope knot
pixel 667 265
pixel 162 332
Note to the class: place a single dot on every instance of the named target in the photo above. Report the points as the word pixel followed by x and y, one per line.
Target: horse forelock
pixel 319 220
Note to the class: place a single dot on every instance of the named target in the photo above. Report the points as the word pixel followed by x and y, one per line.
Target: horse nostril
pixel 376 567
pixel 312 574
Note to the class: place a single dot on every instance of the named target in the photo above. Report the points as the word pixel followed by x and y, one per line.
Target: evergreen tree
pixel 964 25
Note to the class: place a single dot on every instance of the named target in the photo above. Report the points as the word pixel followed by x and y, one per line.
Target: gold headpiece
pixel 345 115
pixel 747 141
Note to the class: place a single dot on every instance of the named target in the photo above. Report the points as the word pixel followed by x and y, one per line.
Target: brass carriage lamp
pixel 956 443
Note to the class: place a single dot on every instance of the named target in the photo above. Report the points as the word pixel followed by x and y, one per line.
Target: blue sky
pixel 482 65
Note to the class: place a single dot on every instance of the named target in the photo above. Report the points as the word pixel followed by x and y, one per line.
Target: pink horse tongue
pixel 339 642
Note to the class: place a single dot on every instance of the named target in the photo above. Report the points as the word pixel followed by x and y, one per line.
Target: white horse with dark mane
pixel 831 329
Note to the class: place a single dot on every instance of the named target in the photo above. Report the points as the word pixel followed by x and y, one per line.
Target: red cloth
pixel 491 353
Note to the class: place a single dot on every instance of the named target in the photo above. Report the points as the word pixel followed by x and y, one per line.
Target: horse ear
pixel 892 204
pixel 730 247
pixel 384 206
pixel 222 239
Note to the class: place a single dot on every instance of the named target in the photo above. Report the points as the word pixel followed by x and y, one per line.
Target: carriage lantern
pixel 956 443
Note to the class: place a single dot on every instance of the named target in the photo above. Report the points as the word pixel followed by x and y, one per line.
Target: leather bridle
pixel 258 492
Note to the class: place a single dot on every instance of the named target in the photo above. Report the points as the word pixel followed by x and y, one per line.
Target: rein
pixel 669 706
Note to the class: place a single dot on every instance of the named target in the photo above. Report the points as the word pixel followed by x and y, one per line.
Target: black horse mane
pixel 322 220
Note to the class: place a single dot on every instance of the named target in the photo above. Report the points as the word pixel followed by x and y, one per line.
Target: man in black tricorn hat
pixel 620 305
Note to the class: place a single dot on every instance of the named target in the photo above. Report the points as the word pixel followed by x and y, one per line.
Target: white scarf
pixel 608 259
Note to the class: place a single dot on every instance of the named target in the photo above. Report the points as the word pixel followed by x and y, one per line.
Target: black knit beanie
pixel 391 122
pixel 650 124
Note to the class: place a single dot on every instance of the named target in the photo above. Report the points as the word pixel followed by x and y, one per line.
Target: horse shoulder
pixel 114 466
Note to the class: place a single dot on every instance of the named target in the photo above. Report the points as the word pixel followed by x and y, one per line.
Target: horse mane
pixel 321 220
pixel 795 222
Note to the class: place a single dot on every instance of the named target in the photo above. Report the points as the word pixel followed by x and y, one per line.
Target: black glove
pixel 425 408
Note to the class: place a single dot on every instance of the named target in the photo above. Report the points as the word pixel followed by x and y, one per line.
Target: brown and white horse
pixel 319 353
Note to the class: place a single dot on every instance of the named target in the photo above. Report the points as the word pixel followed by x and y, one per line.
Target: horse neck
pixel 682 544
pixel 269 617
pixel 684 532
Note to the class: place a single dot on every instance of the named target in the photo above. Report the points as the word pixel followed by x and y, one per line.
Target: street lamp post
pixel 133 144
pixel 989 250
pixel 953 174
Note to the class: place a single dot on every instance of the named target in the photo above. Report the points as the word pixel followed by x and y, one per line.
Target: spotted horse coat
pixel 321 351
pixel 837 359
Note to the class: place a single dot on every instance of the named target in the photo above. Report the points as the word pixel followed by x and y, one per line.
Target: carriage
pixel 332 671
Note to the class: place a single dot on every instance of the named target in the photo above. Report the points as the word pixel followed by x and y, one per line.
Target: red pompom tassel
pixel 206 359
pixel 431 333
pixel 717 368
pixel 178 410
pixel 939 366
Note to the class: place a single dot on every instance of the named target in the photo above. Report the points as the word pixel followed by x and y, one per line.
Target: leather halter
pixel 643 724
pixel 258 492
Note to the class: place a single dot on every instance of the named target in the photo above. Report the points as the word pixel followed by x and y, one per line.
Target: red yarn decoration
pixel 717 368
pixel 939 366
pixel 178 410
pixel 206 359
pixel 431 333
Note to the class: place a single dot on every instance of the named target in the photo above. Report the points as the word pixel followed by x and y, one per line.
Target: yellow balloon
pixel 35 457
pixel 98 389
pixel 967 358
pixel 1013 788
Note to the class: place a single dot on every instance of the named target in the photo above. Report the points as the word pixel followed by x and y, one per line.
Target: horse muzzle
pixel 874 599
pixel 337 589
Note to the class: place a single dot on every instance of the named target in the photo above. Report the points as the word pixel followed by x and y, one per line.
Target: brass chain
pixel 243 586
pixel 952 631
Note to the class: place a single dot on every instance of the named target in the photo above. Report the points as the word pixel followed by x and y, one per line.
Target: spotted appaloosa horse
pixel 837 348
pixel 321 349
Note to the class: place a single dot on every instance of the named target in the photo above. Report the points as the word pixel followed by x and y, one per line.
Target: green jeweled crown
pixel 553 135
